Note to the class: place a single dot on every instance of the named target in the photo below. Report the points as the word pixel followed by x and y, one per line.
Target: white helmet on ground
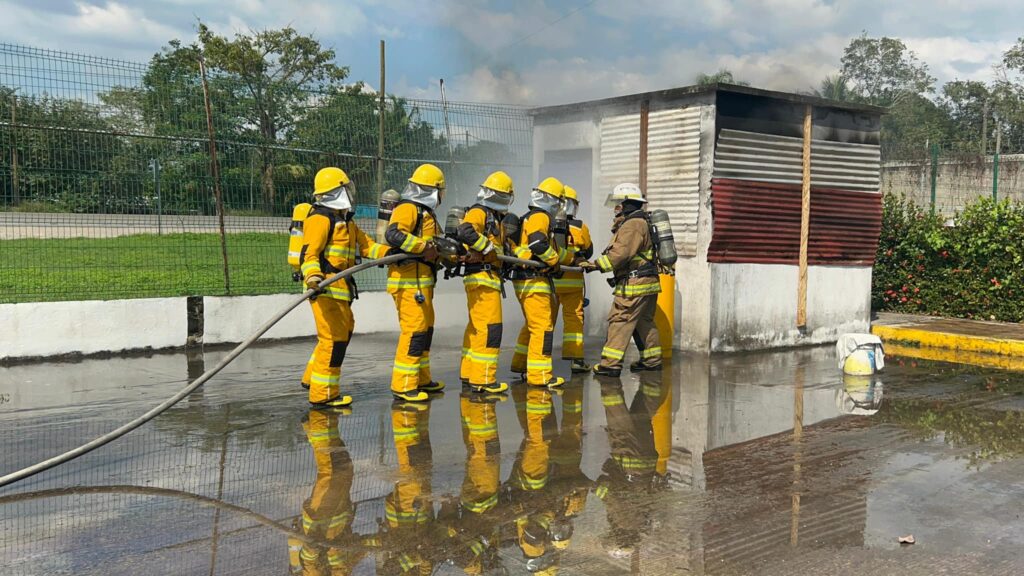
pixel 623 192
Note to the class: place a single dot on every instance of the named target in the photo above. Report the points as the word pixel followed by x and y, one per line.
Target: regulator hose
pixel 535 264
pixel 195 384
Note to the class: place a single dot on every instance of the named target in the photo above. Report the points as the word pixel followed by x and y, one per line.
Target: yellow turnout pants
pixel 481 342
pixel 571 302
pixel 533 347
pixel 334 324
pixel 412 356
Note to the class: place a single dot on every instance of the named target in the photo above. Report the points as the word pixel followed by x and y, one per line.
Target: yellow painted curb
pixel 961 342
pixel 1012 363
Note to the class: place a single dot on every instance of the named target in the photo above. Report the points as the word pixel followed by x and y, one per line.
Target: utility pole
pixel 995 158
pixel 984 128
pixel 380 126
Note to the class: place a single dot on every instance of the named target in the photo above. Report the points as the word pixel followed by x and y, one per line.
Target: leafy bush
pixel 970 270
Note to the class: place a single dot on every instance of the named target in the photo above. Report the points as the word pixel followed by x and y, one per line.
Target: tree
pixel 723 76
pixel 882 71
pixel 834 87
pixel 277 72
pixel 967 104
pixel 1008 96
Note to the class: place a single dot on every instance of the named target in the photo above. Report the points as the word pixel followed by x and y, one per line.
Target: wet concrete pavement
pixel 739 464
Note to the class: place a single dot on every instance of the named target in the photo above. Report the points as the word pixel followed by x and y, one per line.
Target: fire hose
pixel 195 384
pixel 202 379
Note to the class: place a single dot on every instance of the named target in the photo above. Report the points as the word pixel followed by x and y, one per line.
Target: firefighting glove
pixel 474 257
pixel 588 266
pixel 314 281
pixel 430 253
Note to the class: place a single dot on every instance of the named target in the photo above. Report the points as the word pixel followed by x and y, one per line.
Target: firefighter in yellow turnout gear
pixel 412 229
pixel 631 257
pixel 570 287
pixel 534 288
pixel 331 241
pixel 481 232
pixel 328 512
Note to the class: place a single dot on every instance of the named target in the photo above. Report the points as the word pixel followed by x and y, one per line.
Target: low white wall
pixel 234 318
pixel 754 305
pixel 55 328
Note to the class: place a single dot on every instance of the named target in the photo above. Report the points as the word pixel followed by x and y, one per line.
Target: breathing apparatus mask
pixel 340 198
pixel 495 200
pixel 425 195
pixel 571 206
pixel 544 201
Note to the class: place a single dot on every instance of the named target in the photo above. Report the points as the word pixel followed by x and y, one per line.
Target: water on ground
pixel 769 463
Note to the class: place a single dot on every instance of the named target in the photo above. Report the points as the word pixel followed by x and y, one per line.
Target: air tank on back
pixel 452 221
pixel 388 199
pixel 663 239
pixel 512 226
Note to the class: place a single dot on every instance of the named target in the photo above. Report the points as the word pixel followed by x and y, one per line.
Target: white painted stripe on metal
pixel 779 159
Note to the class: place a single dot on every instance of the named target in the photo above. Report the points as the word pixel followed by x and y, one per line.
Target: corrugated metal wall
pixel 673 170
pixel 779 159
pixel 756 193
pixel 758 222
pixel 673 162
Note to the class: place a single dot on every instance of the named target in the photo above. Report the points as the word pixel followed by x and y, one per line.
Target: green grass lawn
pixel 148 265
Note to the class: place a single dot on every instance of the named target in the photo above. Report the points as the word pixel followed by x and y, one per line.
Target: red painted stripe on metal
pixel 759 222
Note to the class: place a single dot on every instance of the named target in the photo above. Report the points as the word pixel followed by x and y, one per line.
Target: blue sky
pixel 546 51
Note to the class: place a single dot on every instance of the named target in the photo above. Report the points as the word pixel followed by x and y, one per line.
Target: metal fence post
pixel 155 165
pixel 995 164
pixel 935 173
pixel 215 174
pixel 15 191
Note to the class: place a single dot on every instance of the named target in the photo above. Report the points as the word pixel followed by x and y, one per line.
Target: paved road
pixel 14 225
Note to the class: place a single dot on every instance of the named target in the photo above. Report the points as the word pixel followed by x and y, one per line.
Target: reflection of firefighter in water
pixel 471 522
pixel 327 513
pixel 408 509
pixel 547 488
pixel 568 486
pixel 639 436
pixel 530 475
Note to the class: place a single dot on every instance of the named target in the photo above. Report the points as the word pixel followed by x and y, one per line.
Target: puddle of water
pixel 740 464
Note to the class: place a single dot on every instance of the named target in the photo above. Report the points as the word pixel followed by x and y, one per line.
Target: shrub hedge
pixel 972 269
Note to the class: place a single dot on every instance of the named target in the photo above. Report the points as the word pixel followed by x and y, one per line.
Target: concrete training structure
pixel 726 162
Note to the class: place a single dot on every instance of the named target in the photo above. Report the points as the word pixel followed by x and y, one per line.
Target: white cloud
pixel 950 57
pixel 111 24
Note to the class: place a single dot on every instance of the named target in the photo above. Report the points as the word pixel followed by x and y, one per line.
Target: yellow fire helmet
pixel 552 186
pixel 332 188
pixel 499 182
pixel 428 176
pixel 328 179
pixel 570 193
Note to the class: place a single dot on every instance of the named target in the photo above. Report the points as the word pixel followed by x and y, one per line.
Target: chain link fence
pixel 107 187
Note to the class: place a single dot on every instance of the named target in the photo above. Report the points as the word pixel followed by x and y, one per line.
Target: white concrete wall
pixel 56 328
pixel 754 305
pixel 87 327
